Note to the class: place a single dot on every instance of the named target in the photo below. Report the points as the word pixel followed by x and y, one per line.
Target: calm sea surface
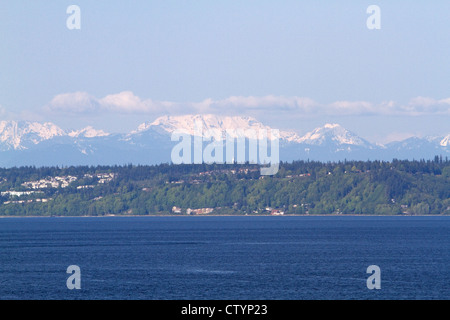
pixel 225 257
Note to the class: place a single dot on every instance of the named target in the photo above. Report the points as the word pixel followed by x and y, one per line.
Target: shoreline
pixel 231 215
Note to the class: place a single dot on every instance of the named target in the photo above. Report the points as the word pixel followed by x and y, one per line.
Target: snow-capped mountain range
pixel 34 143
pixel 333 132
pixel 191 124
pixel 88 132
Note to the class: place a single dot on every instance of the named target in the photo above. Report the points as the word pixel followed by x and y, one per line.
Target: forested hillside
pixel 350 187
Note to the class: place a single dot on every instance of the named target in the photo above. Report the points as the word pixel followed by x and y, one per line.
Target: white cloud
pixel 350 108
pixel 266 103
pixel 124 101
pixel 76 102
pixel 422 101
pixel 84 103
pixel 426 105
pixel 127 102
pixel 445 101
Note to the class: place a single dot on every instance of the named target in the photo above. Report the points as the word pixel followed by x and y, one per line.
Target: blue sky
pixel 290 64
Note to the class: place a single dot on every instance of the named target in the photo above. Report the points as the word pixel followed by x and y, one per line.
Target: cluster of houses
pixel 275 212
pixel 18 193
pixel 226 171
pixel 89 186
pixel 64 181
pixel 22 193
pixel 212 172
pixel 199 211
pixel 301 175
pixel 102 177
pixel 178 210
pixel 51 182
pixel 28 201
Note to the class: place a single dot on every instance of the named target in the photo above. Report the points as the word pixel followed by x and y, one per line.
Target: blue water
pixel 265 258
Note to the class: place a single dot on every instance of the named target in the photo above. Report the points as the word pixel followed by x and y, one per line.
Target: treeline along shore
pixel 398 187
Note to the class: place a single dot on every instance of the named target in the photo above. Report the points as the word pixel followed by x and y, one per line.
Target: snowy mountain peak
pixel 334 134
pixel 88 132
pixel 190 124
pixel 233 125
pixel 208 121
pixel 16 135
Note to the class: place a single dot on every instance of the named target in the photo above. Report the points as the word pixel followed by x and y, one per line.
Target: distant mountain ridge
pixel 42 144
pixel 333 133
pixel 17 135
pixel 187 124
pixel 88 132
